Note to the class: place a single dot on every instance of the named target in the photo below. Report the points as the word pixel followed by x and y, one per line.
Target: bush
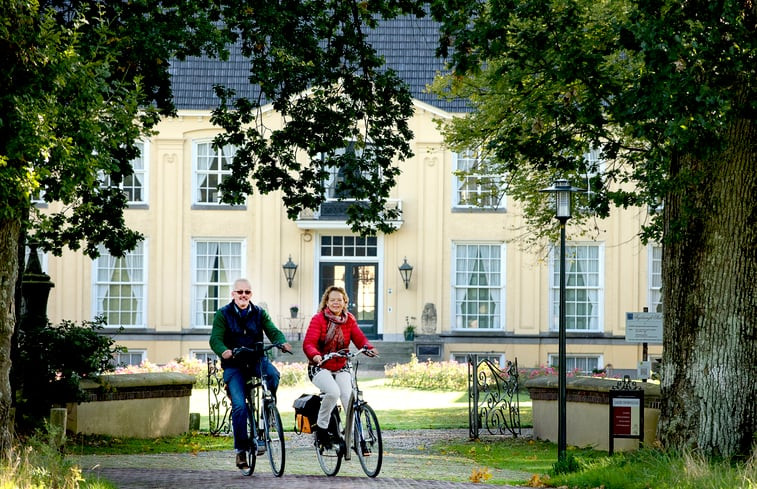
pixel 428 375
pixel 51 361
pixel 291 373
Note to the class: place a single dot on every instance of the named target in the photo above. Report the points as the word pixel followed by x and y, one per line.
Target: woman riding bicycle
pixel 242 323
pixel 331 330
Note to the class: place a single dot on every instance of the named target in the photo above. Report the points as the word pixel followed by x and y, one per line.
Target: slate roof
pixel 407 43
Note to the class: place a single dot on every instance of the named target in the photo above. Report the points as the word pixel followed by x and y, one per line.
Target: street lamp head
pixel 290 268
pixel 562 190
pixel 406 271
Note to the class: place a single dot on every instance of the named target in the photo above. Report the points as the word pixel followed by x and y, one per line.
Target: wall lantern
pixel 290 269
pixel 563 193
pixel 406 271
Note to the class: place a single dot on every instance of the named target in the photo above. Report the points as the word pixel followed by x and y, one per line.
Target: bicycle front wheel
pixel 274 439
pixel 367 441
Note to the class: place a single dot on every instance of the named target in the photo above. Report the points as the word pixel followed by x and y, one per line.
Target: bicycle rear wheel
pixel 367 441
pixel 330 456
pixel 274 438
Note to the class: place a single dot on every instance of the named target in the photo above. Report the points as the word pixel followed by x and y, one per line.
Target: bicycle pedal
pixel 260 447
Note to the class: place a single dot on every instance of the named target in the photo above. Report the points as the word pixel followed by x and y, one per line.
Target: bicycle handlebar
pixel 346 353
pixel 260 348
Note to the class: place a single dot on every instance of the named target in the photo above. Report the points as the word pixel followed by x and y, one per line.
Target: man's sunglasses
pixel 243 292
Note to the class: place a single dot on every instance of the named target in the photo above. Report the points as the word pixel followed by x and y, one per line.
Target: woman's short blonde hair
pixel 330 289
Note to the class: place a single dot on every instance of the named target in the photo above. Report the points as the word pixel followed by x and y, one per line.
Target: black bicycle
pixel 361 433
pixel 266 432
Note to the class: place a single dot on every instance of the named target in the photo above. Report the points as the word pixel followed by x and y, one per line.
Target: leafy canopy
pixel 642 82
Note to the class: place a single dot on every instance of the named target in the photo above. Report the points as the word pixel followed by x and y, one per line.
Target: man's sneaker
pixel 242 461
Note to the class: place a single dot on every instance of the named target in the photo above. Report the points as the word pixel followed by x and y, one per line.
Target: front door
pixel 359 280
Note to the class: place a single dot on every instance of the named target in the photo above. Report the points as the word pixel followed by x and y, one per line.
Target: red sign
pixel 621 420
pixel 626 416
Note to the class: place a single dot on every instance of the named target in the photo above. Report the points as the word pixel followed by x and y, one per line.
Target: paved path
pixel 406 464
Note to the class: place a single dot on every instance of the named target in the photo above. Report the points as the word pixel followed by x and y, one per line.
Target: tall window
pixel 479 286
pixel 120 287
pixel 337 174
pixel 134 186
pixel 216 265
pixel 583 287
pixel 211 167
pixel 655 278
pixel 474 185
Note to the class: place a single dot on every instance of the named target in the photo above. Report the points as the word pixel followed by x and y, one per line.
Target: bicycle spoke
pixel 367 441
pixel 274 434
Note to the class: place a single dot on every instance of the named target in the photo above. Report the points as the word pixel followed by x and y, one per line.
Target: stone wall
pixel 587 411
pixel 146 405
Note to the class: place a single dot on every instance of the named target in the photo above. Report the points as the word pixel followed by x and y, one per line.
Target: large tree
pixel 665 90
pixel 83 80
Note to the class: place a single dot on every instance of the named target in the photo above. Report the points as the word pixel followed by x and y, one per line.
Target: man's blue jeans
pixel 235 381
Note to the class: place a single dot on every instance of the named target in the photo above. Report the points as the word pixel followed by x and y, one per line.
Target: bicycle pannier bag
pixel 306 412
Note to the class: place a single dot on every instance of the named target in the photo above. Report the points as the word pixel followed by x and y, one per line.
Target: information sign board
pixel 644 327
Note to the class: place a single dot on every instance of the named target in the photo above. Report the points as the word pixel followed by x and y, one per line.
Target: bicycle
pixel 362 432
pixel 266 432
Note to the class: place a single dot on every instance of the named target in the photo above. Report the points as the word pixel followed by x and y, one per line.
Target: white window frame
pixel 134 263
pixel 203 308
pixel 203 149
pixel 477 182
pixel 203 355
pixel 498 317
pixel 654 278
pixel 140 173
pixel 117 357
pixel 596 323
pixel 572 359
pixel 498 358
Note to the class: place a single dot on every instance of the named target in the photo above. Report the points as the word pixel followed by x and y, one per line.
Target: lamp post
pixel 562 191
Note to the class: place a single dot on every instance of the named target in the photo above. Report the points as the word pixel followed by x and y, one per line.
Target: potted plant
pixel 293 310
pixel 409 328
pixel 409 333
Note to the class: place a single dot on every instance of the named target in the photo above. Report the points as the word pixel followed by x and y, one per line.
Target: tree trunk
pixel 709 372
pixel 9 234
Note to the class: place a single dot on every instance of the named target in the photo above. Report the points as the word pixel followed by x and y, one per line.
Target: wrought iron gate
pixel 219 406
pixel 493 401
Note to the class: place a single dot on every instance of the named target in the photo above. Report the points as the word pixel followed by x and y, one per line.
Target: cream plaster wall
pixel 428 230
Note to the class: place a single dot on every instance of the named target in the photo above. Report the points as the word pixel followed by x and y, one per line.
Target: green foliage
pixel 428 375
pixel 566 465
pixel 39 465
pixel 642 82
pixel 52 361
pixel 353 102
pixel 653 468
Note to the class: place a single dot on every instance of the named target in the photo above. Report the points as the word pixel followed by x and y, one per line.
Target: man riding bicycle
pixel 242 323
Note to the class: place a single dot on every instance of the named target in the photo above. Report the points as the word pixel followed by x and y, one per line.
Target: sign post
pixel 644 327
pixel 626 411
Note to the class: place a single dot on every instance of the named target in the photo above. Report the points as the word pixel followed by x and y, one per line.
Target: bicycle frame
pixel 264 419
